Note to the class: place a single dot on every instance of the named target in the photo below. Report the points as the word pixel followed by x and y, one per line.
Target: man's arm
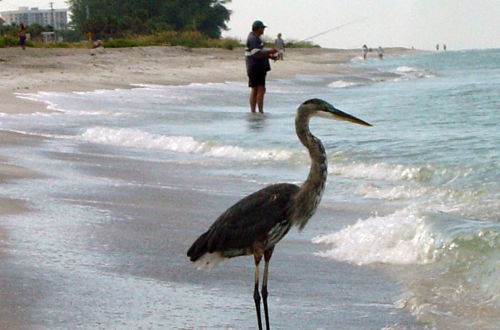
pixel 260 53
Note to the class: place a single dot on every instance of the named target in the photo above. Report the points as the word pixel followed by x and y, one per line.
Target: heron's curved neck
pixel 311 191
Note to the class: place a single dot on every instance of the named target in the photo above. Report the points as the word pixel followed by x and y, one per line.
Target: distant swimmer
pixel 365 51
pixel 380 52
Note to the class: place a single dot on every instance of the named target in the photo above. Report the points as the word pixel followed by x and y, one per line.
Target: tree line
pixel 121 18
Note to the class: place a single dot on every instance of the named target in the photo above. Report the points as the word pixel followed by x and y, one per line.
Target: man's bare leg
pixel 261 90
pixel 253 98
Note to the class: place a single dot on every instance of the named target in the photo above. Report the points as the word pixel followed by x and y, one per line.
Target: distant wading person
pixel 365 51
pixel 22 36
pixel 257 63
pixel 380 52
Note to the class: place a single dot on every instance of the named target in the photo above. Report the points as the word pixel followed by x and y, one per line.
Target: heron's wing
pixel 250 219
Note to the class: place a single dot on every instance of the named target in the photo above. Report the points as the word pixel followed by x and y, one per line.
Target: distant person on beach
pixel 437 46
pixel 444 47
pixel 257 63
pixel 365 52
pixel 22 36
pixel 97 43
pixel 380 52
pixel 279 44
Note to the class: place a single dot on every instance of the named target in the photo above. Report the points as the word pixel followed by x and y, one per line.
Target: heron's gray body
pixel 261 219
pixel 258 220
pixel 255 224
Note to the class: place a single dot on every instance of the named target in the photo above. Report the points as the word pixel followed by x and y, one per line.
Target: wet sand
pixel 125 266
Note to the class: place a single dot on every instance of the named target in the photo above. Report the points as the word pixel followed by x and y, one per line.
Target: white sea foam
pixel 391 193
pixel 406 69
pixel 51 105
pixel 409 72
pixel 382 171
pixel 399 238
pixel 357 59
pixel 135 138
pixel 341 84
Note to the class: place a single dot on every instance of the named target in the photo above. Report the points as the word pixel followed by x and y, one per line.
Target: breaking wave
pixel 399 238
pixel 135 138
pixel 341 84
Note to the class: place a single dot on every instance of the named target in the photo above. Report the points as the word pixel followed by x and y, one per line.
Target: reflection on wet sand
pixel 256 121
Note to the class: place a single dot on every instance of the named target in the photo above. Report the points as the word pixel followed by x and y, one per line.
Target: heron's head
pixel 320 108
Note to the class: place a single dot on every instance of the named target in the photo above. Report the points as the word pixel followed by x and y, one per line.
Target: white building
pixel 58 18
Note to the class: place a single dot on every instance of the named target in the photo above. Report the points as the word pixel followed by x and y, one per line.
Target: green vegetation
pixel 300 44
pixel 122 43
pixel 269 43
pixel 8 42
pixel 191 39
pixel 9 38
pixel 140 23
pixel 106 19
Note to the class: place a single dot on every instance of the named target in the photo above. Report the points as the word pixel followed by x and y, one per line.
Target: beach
pixel 112 161
pixel 69 70
pixel 23 289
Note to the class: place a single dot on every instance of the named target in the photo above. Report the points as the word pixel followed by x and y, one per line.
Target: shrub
pixel 58 45
pixel 226 43
pixel 300 44
pixel 8 42
pixel 192 39
pixel 121 43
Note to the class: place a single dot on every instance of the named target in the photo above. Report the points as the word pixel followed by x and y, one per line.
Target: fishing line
pixel 333 29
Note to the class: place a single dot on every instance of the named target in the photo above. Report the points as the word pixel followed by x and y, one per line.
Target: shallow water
pixel 417 194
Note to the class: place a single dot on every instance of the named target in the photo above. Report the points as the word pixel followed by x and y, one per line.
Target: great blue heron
pixel 256 223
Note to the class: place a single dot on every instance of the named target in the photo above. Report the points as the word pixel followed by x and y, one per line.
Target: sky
pixel 460 24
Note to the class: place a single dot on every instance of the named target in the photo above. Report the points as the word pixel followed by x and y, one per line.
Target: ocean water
pixel 428 169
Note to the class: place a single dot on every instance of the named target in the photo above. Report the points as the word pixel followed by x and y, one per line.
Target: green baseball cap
pixel 258 24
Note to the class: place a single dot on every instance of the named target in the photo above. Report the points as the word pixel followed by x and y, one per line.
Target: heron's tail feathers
pixel 209 260
pixel 200 254
pixel 199 248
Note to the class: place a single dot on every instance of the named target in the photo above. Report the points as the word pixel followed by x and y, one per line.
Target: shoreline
pixel 69 70
pixel 77 70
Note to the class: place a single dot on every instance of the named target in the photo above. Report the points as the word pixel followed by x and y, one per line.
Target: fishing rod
pixel 333 29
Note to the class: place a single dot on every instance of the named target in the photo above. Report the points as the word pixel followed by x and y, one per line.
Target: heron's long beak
pixel 340 115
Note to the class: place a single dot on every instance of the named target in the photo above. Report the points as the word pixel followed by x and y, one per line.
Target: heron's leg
pixel 267 257
pixel 256 296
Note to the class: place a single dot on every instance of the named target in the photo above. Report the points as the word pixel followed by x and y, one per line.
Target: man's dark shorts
pixel 22 41
pixel 257 79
